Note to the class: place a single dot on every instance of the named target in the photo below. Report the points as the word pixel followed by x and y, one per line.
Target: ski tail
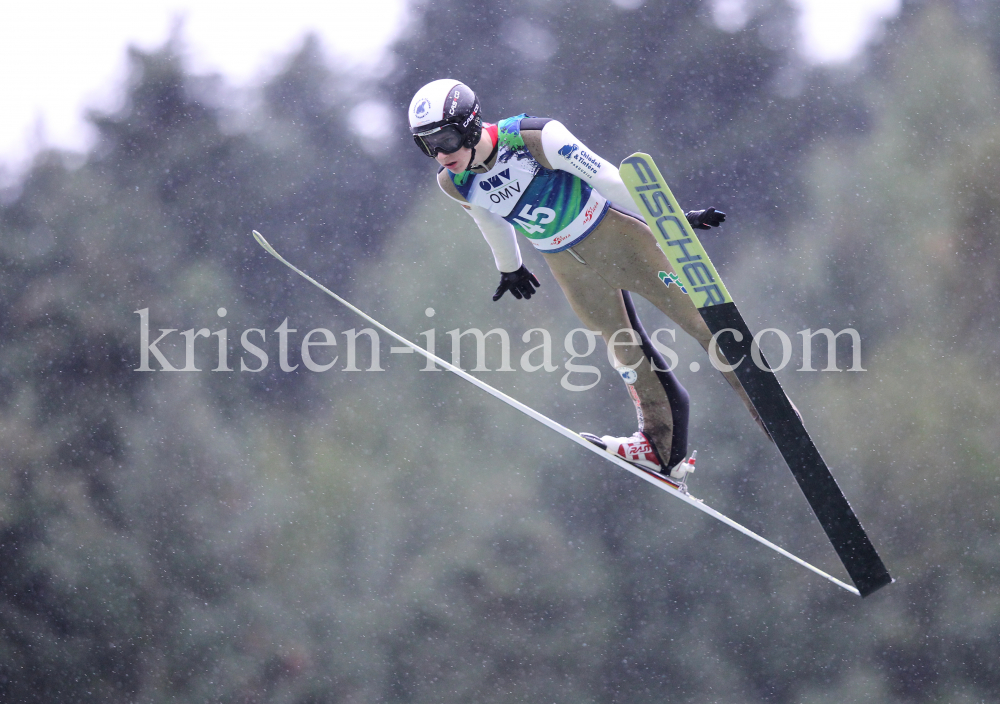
pixel 696 275
pixel 839 522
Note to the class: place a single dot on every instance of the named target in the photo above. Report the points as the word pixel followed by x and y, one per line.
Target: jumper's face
pixel 456 161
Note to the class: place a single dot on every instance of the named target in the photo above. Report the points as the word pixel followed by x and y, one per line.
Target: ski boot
pixel 638 450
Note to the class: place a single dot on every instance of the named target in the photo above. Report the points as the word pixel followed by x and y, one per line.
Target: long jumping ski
pixel 677 489
pixel 695 274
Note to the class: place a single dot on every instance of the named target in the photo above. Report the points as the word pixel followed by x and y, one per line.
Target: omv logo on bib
pixel 488 184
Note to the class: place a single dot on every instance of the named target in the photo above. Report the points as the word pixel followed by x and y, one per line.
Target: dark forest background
pixel 399 536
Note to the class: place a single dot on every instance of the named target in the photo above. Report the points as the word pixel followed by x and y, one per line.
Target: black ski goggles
pixel 446 139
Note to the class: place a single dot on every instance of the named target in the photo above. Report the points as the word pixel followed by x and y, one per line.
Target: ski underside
pixel 696 275
pixel 675 488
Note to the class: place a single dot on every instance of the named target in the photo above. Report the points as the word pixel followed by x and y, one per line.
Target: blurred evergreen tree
pixel 132 529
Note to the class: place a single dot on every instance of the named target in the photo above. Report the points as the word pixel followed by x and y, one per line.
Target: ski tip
pixel 265 244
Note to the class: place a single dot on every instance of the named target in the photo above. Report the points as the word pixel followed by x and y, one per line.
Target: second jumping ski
pixel 676 487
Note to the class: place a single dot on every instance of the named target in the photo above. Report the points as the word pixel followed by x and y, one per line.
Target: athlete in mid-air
pixel 531 176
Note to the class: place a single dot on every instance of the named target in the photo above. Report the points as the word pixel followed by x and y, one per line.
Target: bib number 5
pixel 539 217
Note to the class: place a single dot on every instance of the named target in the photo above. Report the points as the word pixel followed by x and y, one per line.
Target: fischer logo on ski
pixel 672 230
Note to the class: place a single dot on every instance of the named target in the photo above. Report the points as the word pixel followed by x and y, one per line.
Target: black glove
pixel 519 283
pixel 705 219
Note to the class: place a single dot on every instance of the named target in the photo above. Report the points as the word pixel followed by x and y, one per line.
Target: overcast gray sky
pixel 61 56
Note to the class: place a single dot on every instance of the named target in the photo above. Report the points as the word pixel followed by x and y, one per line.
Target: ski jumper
pixel 544 183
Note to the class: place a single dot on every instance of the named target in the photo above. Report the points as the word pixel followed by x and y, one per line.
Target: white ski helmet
pixel 444 117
